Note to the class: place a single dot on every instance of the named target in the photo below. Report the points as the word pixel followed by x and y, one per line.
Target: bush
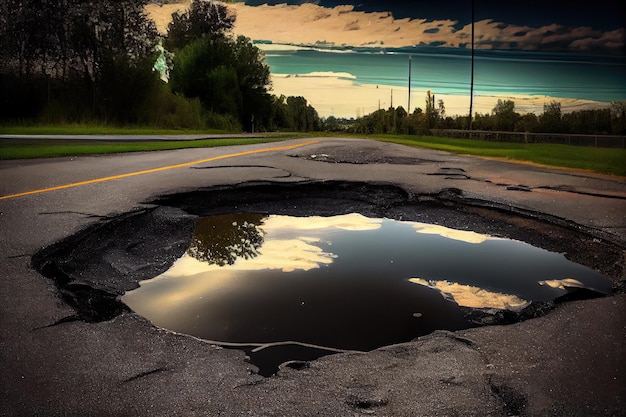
pixel 168 110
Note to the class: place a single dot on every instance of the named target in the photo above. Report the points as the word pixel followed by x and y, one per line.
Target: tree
pixel 98 31
pixel 441 109
pixel 302 115
pixel 253 77
pixel 331 124
pixel 550 120
pixel 431 111
pixel 57 51
pixel 505 115
pixel 618 117
pixel 279 117
pixel 588 121
pixel 221 240
pixel 400 112
pixel 483 122
pixel 204 18
pixel 527 123
pixel 227 75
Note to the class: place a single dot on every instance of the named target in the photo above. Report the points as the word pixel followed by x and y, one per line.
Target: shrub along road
pixel 566 362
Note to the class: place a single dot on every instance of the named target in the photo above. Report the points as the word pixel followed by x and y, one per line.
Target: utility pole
pixel 472 73
pixel 409 104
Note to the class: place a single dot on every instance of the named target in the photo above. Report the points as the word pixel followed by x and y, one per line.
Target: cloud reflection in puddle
pixel 470 296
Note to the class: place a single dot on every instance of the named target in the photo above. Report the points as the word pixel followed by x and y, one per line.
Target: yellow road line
pixel 150 171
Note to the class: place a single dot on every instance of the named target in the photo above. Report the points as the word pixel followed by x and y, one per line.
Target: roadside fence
pixel 596 141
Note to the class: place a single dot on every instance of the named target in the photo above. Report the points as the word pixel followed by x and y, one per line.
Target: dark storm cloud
pixel 603 15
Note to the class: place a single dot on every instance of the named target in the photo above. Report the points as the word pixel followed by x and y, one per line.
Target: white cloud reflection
pixel 352 221
pixel 563 284
pixel 290 243
pixel 475 297
pixel 462 235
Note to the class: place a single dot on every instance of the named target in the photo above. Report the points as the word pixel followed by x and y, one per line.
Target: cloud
pixel 470 296
pixel 563 284
pixel 492 34
pixel 613 40
pixel 286 255
pixel 310 23
pixel 466 236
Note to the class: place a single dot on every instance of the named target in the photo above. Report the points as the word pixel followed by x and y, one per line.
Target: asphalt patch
pixel 359 156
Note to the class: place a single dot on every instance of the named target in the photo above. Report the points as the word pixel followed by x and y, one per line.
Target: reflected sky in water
pixel 345 282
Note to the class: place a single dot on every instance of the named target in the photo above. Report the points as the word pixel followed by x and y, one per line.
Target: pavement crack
pixel 451 173
pixel 573 191
pixel 286 174
pixel 561 189
pixel 66 319
pixel 23 255
pixel 87 215
pixel 145 374
pixel 519 187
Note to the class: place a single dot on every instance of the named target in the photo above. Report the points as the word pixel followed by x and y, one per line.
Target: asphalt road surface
pixel 570 361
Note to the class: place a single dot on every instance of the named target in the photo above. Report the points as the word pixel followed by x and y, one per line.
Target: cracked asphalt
pixel 569 361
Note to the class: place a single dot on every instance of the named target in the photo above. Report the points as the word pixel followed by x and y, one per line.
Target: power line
pixel 472 73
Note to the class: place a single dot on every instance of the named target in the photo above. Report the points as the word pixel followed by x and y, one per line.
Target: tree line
pixel 503 117
pixel 103 61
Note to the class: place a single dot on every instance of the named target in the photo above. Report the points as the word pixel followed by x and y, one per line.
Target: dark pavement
pixel 569 362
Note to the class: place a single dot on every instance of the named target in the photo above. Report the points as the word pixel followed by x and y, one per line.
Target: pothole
pixel 294 288
pixel 292 272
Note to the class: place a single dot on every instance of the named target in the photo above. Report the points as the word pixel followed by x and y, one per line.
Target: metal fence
pixel 597 141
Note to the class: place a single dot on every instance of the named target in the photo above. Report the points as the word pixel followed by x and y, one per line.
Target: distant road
pixel 138 137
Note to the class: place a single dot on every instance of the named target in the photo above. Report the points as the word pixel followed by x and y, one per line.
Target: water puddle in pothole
pixel 296 288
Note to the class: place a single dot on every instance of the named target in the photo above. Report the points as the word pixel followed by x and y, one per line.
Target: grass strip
pixel 51 148
pixel 96 129
pixel 602 160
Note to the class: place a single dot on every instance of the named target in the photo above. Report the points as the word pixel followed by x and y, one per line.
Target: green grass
pixel 38 148
pixel 602 160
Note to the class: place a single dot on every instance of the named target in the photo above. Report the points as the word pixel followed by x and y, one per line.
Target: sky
pixel 542 29
pixel 531 25
pixel 601 14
